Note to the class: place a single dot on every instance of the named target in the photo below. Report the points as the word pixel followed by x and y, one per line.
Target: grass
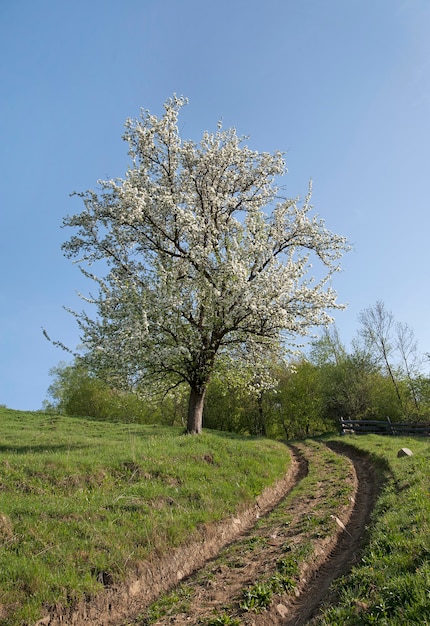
pixel 391 584
pixel 82 502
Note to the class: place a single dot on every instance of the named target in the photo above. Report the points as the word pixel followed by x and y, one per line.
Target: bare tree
pixel 377 328
pixel 407 347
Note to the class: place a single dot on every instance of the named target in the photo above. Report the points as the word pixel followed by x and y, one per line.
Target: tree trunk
pixel 262 425
pixel 195 411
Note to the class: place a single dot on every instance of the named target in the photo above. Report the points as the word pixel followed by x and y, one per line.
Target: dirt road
pixel 301 535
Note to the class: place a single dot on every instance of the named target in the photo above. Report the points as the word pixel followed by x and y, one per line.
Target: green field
pixel 83 502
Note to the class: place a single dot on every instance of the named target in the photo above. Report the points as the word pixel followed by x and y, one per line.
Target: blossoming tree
pixel 201 259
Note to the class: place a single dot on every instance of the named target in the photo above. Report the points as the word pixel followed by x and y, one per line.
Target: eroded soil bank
pixel 316 512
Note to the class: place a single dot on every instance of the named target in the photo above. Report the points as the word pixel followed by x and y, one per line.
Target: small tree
pixel 300 400
pixel 377 329
pixel 202 257
pixel 407 347
pixel 396 349
pixel 75 391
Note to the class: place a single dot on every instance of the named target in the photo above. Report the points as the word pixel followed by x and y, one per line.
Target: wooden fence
pixel 383 427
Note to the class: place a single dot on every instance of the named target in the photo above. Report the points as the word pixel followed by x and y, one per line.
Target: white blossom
pixel 203 257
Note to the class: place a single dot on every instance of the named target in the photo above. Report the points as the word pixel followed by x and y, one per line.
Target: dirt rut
pixel 214 581
pixel 337 555
pixel 119 605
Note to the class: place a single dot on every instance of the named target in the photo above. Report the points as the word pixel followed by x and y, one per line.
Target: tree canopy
pixel 201 258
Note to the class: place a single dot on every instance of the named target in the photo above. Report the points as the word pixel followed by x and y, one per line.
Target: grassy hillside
pixel 391 583
pixel 81 502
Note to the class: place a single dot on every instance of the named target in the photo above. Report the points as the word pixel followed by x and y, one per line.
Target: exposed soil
pixel 230 556
pixel 344 550
pixel 338 554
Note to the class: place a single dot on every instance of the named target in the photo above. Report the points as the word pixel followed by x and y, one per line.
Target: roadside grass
pixel 82 502
pixel 391 583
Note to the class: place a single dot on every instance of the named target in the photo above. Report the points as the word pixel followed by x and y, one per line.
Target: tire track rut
pixel 209 575
pixel 217 589
pixel 120 605
pixel 341 553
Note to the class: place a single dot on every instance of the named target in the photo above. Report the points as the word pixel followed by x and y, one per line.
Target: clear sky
pixel 342 86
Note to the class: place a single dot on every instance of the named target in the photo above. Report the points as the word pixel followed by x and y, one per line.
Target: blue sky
pixel 342 86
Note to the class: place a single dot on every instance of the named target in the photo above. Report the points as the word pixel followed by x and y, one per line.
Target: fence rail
pixel 383 427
